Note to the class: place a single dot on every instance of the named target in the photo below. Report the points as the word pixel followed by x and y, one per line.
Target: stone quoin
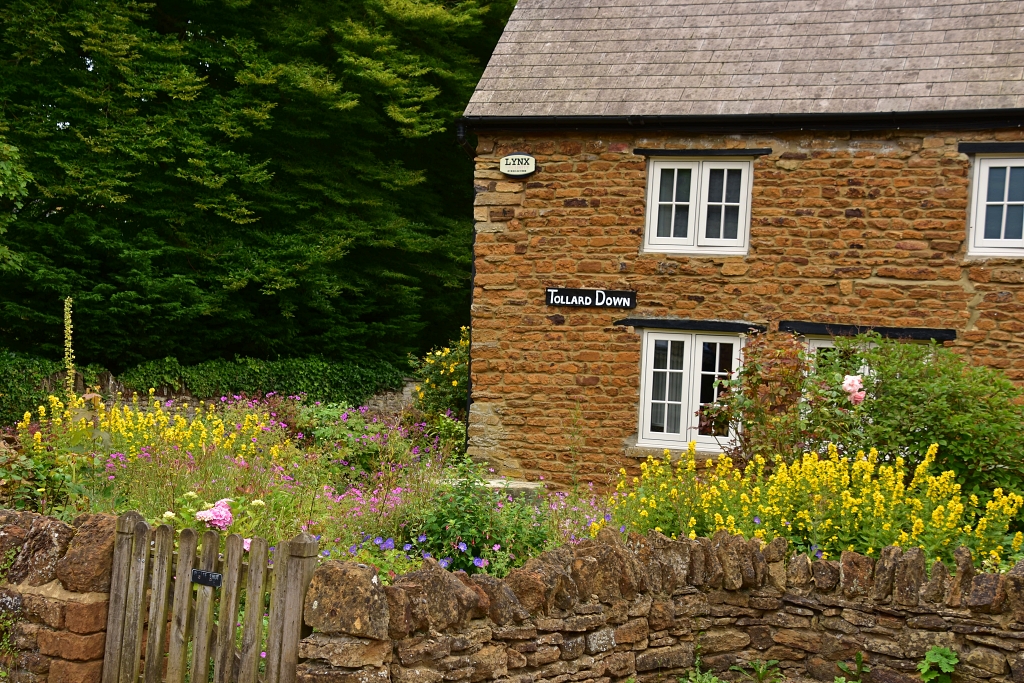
pixel 822 168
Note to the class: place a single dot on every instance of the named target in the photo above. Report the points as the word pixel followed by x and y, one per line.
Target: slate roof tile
pixel 677 57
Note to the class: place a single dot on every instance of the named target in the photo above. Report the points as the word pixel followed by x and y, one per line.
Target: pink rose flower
pixel 246 542
pixel 857 397
pixel 852 384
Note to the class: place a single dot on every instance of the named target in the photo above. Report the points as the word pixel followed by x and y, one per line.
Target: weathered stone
pixel 616 575
pixel 86 566
pixel 713 574
pixel 801 639
pixel 662 615
pixel 928 622
pixel 855 574
pixel 883 674
pixel 71 646
pixel 989 660
pixel 885 573
pixel 915 643
pixel 400 618
pixel 542 586
pixel 46 544
pixel 908 578
pixel 621 664
pixel 640 606
pixel 85 617
pixel 401 674
pixel 34 662
pixel 345 651
pixel 798 573
pixel 822 669
pixel 777 575
pixel 837 624
pixel 760 637
pixel 584 572
pixel 47 610
pixel 786 620
pixel 482 606
pixel 12 538
pixel 776 550
pixel 675 657
pixel 722 640
pixel 347 598
pixel 504 607
pixel 573 647
pixel 760 565
pixel 935 590
pixel 694 605
pixel 633 631
pixel 1008 644
pixel 782 653
pixel 543 655
pixel 524 632
pixel 62 671
pixel 448 600
pixel 415 650
pixel 727 551
pixel 1013 584
pixel 826 574
pixel 960 585
pixel 697 575
pixel 760 603
pixel 600 641
pixel 1016 662
pixel 883 645
pixel 516 659
pixel 491 661
pixel 986 595
pixel 674 559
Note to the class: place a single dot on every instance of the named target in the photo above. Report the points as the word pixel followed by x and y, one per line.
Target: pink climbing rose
pixel 852 384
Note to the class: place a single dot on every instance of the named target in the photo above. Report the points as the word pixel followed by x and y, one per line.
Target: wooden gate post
pixel 118 594
pixel 302 554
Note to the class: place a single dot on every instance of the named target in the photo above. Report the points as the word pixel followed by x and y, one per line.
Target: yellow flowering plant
pixel 444 378
pixel 822 504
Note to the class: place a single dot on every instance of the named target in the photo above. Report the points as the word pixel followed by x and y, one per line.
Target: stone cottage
pixel 656 179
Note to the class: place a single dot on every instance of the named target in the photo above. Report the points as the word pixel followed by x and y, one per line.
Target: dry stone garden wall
pixel 53 602
pixel 606 611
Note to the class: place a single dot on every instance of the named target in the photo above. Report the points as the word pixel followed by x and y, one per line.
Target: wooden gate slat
pixel 278 593
pixel 224 657
pixel 302 563
pixel 135 605
pixel 161 584
pixel 118 594
pixel 181 608
pixel 204 611
pixel 252 626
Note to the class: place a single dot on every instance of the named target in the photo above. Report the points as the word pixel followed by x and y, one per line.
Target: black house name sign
pixel 590 298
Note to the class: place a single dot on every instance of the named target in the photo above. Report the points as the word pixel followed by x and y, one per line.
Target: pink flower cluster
pixel 853 385
pixel 217 517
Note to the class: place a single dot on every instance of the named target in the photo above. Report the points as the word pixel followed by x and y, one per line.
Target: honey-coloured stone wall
pixel 867 229
pixel 607 611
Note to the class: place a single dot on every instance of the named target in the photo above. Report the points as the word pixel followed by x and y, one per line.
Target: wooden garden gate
pixel 169 623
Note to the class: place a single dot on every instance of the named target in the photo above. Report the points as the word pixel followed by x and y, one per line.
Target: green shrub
pixel 784 403
pixel 444 378
pixel 21 380
pixel 320 379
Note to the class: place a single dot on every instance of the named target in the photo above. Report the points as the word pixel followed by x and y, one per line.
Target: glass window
pixel 698 206
pixel 681 374
pixel 997 224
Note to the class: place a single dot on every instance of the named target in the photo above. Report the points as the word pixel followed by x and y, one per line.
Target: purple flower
pixel 496 547
pixel 426 555
pixel 480 562
pixel 757 520
pixel 388 544
pixel 378 540
pixel 622 529
pixel 421 538
pixel 445 562
pixel 462 547
pixel 607 516
pixel 353 549
pixel 407 547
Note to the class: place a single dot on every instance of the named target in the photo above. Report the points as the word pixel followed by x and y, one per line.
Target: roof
pixel 585 58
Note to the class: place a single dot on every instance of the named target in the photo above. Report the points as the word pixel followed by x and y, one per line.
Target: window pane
pixel 715 181
pixel 993 221
pixel 660 354
pixel 682 220
pixel 683 185
pixel 707 361
pixel 996 183
pixel 1016 192
pixel 657 417
pixel 732 222
pixel 676 362
pixel 1014 222
pixel 725 357
pixel 664 220
pixel 665 195
pixel 713 226
pixel 675 386
pixel 732 185
pixel 707 388
pixel 658 386
pixel 674 411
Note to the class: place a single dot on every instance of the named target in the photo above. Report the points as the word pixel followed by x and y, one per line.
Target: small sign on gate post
pixel 212 579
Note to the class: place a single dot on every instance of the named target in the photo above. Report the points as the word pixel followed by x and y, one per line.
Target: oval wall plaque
pixel 518 164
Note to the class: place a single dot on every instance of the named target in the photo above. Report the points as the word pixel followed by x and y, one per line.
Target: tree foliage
pixel 217 177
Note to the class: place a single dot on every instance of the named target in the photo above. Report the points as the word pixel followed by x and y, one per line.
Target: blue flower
pixel 445 562
pixel 388 544
pixel 480 562
pixel 757 520
pixel 622 529
pixel 378 540
pixel 462 547
pixel 607 516
pixel 352 550
pixel 407 547
pixel 421 538
pixel 426 556
pixel 326 553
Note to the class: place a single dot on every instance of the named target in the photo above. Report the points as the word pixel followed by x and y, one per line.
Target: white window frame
pixel 977 244
pixel 695 242
pixel 690 389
